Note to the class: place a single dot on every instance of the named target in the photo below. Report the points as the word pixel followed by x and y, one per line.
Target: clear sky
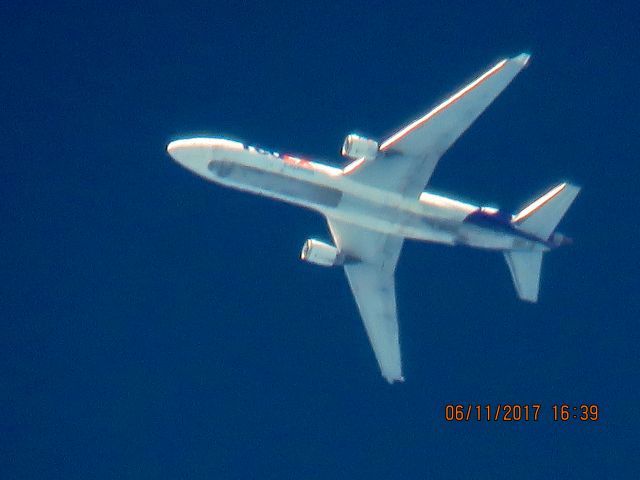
pixel 157 326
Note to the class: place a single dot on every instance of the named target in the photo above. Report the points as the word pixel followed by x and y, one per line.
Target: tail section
pixel 525 269
pixel 541 216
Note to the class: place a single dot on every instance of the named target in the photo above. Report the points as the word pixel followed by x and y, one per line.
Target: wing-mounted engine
pixel 356 147
pixel 320 253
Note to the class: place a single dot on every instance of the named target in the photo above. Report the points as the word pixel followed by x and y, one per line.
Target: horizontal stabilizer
pixel 541 217
pixel 525 272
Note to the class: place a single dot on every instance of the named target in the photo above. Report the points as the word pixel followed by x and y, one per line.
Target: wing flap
pixel 366 245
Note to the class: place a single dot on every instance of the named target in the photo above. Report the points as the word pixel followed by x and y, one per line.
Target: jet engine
pixel 320 253
pixel 356 147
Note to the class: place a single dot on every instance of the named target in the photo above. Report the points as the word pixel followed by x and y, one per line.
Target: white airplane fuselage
pixel 377 200
pixel 332 192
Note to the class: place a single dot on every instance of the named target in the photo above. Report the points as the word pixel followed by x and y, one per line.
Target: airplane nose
pixel 196 153
pixel 172 147
pixel 189 152
pixel 179 151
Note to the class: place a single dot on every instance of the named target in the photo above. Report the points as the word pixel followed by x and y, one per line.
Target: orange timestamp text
pixel 515 412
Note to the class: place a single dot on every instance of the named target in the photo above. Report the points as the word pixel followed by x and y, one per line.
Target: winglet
pixel 393 379
pixel 523 58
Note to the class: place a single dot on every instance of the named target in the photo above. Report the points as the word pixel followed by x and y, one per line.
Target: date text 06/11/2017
pixel 516 412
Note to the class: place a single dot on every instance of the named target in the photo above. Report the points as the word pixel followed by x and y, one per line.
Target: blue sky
pixel 156 326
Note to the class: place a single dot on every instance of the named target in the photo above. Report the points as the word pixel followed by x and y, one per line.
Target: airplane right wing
pixel 408 157
pixel 371 278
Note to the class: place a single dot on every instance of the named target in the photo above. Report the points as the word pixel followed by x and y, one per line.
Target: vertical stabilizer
pixel 541 216
pixel 525 272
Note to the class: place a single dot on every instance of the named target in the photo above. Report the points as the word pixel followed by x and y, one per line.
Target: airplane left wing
pixel 372 259
pixel 409 156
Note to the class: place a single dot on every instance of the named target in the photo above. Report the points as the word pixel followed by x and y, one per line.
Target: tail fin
pixel 541 216
pixel 525 268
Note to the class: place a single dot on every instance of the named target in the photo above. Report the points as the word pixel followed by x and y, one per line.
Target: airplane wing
pixel 410 155
pixel 371 277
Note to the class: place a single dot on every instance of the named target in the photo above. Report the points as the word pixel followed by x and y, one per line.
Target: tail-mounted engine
pixel 356 147
pixel 320 253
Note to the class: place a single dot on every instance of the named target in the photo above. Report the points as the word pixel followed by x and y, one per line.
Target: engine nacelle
pixel 320 253
pixel 356 147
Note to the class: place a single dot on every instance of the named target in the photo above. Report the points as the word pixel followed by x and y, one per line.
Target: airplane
pixel 378 200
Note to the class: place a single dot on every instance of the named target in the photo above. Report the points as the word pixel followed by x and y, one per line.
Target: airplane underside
pixel 368 213
pixel 377 201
